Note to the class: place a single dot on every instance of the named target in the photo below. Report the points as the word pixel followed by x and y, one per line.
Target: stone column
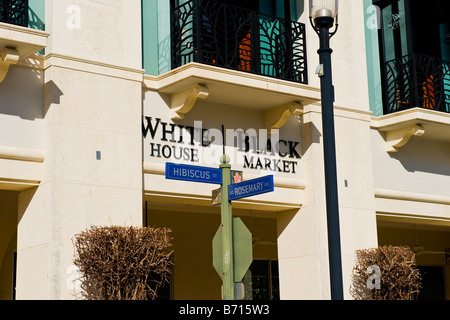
pixel 93 140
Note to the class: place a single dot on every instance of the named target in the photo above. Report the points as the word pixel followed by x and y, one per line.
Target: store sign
pixel 253 149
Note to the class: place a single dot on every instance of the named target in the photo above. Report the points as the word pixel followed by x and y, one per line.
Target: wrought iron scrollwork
pixel 14 12
pixel 224 35
pixel 417 80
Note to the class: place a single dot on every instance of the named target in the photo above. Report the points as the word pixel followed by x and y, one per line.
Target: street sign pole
pixel 227 232
pixel 232 244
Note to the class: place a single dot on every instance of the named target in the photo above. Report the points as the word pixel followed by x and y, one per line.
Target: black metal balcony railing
pixel 417 81
pixel 220 34
pixel 14 12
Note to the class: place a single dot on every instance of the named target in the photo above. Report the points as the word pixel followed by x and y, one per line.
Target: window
pixel 415 57
pixel 261 281
pixel 433 284
pixel 165 292
pixel 257 36
pixel 14 12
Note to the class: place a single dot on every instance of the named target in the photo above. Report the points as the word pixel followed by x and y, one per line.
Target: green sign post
pixel 232 244
pixel 226 228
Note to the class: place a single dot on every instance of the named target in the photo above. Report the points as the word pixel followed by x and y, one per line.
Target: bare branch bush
pixel 398 277
pixel 123 263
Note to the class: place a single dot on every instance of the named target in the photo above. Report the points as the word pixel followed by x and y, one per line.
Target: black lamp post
pixel 323 14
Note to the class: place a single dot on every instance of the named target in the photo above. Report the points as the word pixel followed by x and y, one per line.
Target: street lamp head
pixel 323 12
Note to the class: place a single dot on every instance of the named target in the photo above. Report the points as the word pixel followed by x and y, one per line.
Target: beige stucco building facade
pixel 86 128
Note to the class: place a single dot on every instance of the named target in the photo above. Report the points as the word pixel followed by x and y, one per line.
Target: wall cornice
pixel 96 67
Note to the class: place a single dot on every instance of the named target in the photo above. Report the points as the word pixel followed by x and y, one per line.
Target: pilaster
pixel 92 172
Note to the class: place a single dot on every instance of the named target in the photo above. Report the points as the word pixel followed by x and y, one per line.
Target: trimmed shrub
pixel 385 273
pixel 123 263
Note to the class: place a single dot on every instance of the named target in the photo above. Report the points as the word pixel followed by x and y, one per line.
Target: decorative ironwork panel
pixel 216 33
pixel 14 12
pixel 417 81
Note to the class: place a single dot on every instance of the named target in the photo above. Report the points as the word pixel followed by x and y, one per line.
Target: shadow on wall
pixel 21 93
pixel 52 95
pixel 310 134
pixel 423 155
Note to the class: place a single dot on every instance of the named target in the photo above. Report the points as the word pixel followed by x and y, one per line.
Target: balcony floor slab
pixel 230 87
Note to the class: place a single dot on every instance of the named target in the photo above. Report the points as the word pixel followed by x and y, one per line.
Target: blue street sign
pixel 250 188
pixel 185 172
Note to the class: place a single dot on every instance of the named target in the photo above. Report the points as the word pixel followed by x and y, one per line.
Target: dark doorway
pixel 433 283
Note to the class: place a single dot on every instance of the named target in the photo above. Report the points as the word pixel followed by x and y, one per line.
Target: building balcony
pixel 417 81
pixel 17 41
pixel 235 56
pixel 417 100
pixel 224 35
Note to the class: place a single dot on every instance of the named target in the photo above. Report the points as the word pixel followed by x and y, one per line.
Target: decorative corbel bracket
pixel 398 138
pixel 277 117
pixel 182 102
pixel 8 56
